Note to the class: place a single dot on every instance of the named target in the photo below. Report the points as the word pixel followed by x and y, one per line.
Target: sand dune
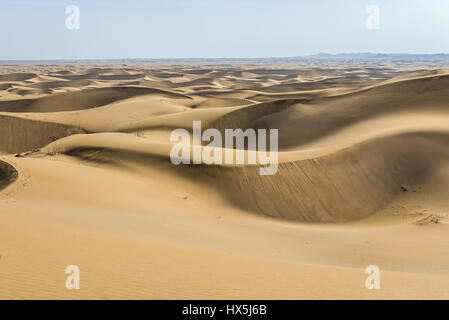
pixel 19 135
pixel 17 76
pixel 7 174
pixel 45 85
pixel 78 100
pixel 86 179
pixel 318 117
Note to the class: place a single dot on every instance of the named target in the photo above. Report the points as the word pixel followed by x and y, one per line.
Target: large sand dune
pixel 86 179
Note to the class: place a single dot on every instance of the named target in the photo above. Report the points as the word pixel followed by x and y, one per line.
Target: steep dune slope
pixel 19 135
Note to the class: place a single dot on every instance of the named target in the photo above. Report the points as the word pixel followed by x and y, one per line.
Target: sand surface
pixel 86 180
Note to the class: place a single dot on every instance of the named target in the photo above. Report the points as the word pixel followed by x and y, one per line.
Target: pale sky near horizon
pixel 33 29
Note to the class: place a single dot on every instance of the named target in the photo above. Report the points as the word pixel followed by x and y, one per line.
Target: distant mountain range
pixel 327 56
pixel 383 56
pixel 319 56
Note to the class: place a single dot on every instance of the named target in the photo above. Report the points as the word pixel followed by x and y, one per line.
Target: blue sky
pixel 111 29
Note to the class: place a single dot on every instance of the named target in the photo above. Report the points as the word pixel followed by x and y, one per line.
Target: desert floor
pixel 86 180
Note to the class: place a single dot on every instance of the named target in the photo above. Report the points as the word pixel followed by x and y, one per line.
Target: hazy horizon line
pixel 352 55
